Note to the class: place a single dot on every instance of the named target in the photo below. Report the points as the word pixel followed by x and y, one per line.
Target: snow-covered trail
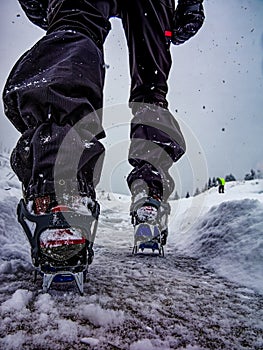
pixel 144 302
pixel 130 302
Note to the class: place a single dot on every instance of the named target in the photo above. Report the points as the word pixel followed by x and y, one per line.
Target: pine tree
pixel 176 196
pixel 197 192
pixel 206 187
pixel 230 177
pixel 214 182
pixel 250 176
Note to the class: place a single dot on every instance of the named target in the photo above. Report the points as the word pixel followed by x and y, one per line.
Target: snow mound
pixel 101 317
pixel 144 344
pixel 17 302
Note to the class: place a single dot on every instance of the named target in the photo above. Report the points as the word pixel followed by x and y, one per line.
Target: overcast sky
pixel 215 91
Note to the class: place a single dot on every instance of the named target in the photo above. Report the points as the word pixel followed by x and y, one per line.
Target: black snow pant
pixel 221 188
pixel 54 97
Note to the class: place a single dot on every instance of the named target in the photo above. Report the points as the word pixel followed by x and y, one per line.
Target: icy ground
pixel 206 293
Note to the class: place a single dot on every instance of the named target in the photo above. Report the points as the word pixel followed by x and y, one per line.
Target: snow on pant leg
pixel 77 169
pixel 55 86
pixel 156 143
pixel 156 138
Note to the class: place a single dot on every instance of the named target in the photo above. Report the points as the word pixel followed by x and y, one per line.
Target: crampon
pixel 61 243
pixel 148 237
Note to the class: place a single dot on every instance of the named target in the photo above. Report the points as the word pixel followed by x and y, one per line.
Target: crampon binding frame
pixel 67 262
pixel 150 235
pixel 147 237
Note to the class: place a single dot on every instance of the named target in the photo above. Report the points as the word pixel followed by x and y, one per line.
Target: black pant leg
pixel 145 23
pixel 53 87
pixel 156 144
pixel 156 138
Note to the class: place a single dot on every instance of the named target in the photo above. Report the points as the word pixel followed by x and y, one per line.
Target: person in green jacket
pixel 222 182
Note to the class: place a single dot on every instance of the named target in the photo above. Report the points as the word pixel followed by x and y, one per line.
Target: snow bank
pixel 229 239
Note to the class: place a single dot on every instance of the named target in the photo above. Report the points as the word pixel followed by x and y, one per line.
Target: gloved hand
pixel 188 19
pixel 36 11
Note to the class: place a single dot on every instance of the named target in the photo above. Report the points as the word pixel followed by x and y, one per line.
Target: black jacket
pixel 37 10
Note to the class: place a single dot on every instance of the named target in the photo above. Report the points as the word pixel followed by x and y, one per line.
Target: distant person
pixel 221 184
pixel 59 83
